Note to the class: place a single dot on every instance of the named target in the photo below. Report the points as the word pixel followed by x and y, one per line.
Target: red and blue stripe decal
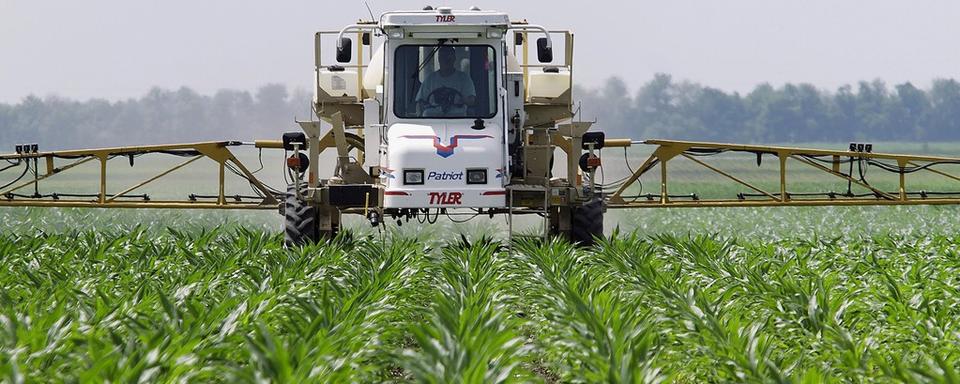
pixel 447 150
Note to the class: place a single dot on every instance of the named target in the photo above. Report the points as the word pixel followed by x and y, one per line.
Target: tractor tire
pixel 587 222
pixel 299 221
pixel 302 221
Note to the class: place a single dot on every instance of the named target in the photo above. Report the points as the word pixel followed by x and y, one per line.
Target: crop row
pixel 235 306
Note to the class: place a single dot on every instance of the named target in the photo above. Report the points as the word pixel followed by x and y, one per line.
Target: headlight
pixel 476 176
pixel 413 177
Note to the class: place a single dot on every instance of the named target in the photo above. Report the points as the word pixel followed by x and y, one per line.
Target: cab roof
pixel 443 16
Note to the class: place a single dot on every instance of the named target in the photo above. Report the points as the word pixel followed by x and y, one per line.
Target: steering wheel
pixel 445 98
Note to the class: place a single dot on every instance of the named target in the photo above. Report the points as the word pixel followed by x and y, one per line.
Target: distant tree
pixel 909 113
pixel 230 113
pixel 655 106
pixel 6 111
pixel 757 107
pixel 843 114
pixel 945 109
pixel 873 101
pixel 271 107
pixel 720 115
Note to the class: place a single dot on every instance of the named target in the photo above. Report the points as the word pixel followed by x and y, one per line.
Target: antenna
pixel 369 10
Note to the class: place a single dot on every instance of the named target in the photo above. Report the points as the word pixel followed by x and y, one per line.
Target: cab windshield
pixel 445 81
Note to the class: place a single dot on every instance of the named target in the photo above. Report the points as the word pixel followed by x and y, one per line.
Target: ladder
pixel 539 138
pixel 512 209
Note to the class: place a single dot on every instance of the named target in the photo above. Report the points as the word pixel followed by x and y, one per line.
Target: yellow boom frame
pixel 668 150
pixel 218 152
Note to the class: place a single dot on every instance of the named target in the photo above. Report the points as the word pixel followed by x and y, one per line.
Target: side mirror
pixel 544 52
pixel 365 38
pixel 344 50
pixel 518 38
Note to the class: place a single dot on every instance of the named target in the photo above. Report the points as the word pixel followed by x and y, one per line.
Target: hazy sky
pixel 119 48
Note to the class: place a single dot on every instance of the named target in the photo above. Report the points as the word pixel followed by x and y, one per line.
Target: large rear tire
pixel 587 222
pixel 299 221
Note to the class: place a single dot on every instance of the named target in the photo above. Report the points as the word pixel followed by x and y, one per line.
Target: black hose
pixel 25 170
pixel 12 164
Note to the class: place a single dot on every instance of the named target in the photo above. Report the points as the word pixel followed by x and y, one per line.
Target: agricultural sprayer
pixel 435 111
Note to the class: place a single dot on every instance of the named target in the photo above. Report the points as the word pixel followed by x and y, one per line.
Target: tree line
pixel 661 108
pixel 160 116
pixel 668 109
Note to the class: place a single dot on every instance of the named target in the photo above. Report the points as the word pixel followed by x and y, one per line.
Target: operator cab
pixel 445 126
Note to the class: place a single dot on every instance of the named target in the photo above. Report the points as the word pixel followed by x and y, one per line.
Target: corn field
pixel 232 305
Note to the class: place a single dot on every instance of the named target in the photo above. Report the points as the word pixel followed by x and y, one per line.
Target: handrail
pixel 354 27
pixel 537 27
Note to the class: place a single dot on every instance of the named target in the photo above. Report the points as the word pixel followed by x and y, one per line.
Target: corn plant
pixel 470 334
pixel 590 331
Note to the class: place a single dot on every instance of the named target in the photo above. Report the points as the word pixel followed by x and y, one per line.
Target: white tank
pixel 547 85
pixel 373 74
pixel 337 83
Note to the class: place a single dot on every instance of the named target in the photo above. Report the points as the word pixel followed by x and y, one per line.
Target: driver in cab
pixel 446 92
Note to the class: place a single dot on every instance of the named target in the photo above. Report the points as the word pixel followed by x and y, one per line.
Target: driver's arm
pixel 469 91
pixel 421 98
